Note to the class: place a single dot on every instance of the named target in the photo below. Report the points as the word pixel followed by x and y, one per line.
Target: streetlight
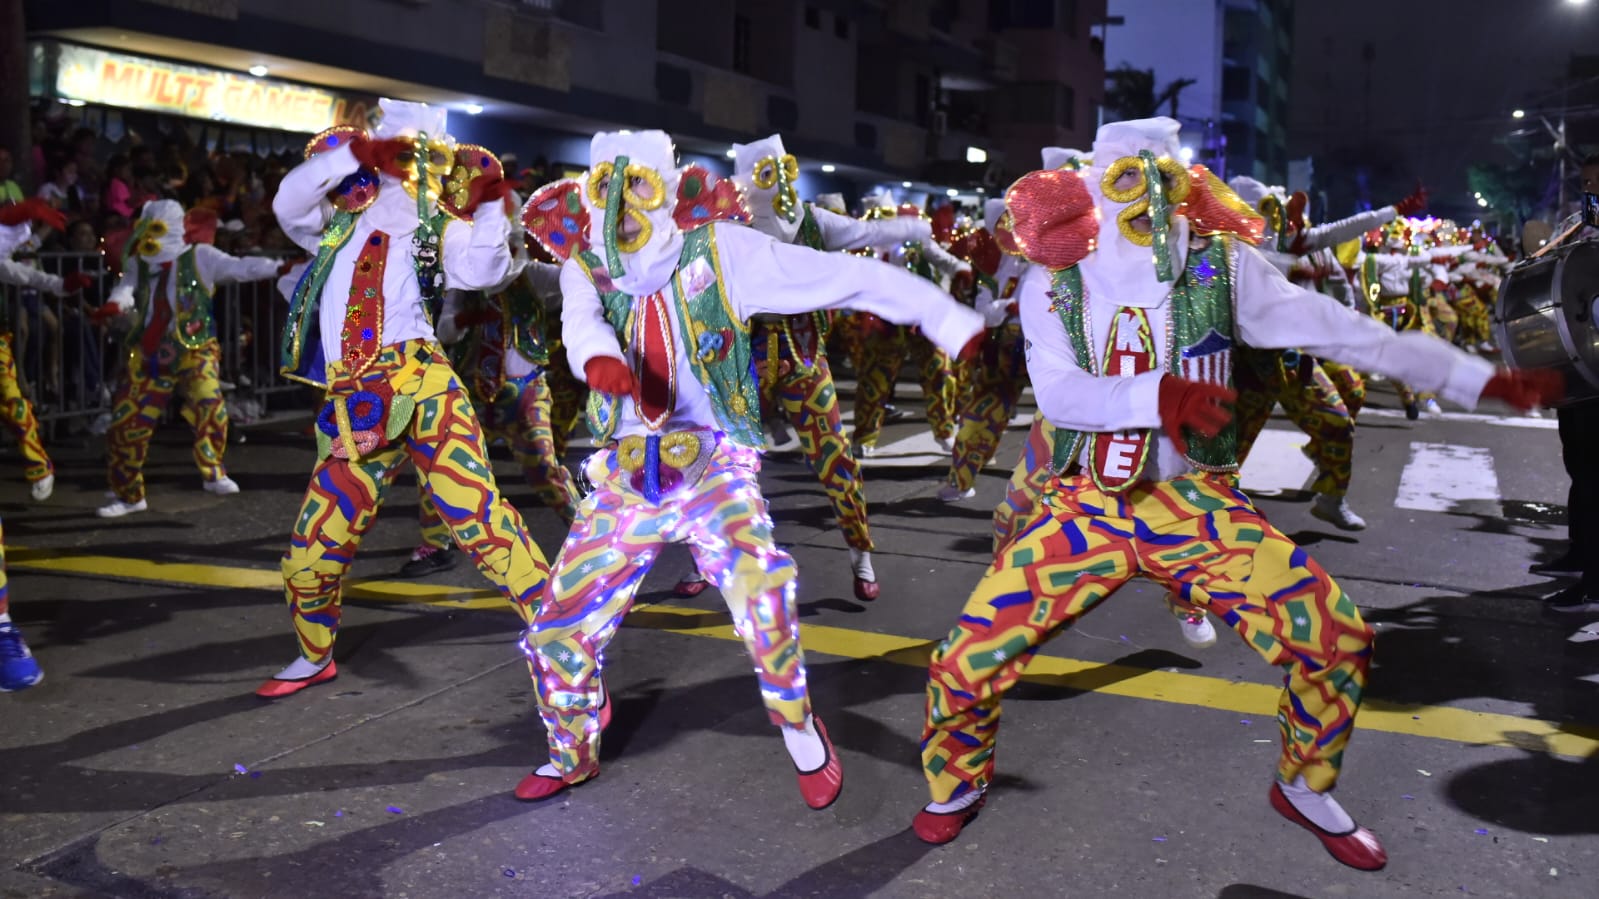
pixel 829 168
pixel 259 71
pixel 1518 114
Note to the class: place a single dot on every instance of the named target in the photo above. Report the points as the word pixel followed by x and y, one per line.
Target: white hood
pixel 1120 269
pixel 644 265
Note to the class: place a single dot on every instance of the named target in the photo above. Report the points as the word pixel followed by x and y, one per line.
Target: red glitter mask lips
pixel 1052 221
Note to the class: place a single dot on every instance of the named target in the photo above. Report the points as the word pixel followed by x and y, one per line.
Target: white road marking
pixel 1439 476
pixel 1504 421
pixel 1276 464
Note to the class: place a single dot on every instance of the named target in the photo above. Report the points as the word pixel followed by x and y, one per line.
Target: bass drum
pixel 1545 317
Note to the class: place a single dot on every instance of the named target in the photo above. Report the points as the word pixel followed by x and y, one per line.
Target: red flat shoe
pixel 939 828
pixel 538 786
pixel 605 707
pixel 822 786
pixel 865 590
pixel 1358 848
pixel 690 587
pixel 277 688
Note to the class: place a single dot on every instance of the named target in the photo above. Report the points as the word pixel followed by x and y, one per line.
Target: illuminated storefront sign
pixel 136 82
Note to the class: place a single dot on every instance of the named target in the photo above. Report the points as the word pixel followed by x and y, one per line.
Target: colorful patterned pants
pixel 146 387
pixel 17 414
pixel 520 415
pixel 567 398
pixel 1445 321
pixel 1402 315
pixel 1351 385
pixel 1199 537
pixel 1476 322
pixel 987 405
pixel 805 394
pixel 882 356
pixel 1027 482
pixel 5 583
pixel 1312 402
pixel 444 443
pixel 617 537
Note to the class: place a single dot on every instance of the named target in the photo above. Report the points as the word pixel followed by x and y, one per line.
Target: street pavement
pixel 1130 764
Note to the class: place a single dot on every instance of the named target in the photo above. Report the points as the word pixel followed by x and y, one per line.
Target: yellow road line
pixel 1434 722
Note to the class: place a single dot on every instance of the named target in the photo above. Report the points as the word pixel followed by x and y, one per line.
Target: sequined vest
pixel 193 324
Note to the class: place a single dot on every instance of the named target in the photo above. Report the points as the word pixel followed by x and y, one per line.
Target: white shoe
pixel 1198 631
pixel 860 563
pixel 1535 412
pixel 1487 347
pixel 781 436
pixel 118 508
pixel 43 487
pixel 1431 407
pixel 949 493
pixel 223 486
pixel 863 450
pixel 1335 510
pixel 947 444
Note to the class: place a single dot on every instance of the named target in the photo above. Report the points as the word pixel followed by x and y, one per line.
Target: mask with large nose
pixel 769 177
pixel 629 192
pixel 1137 181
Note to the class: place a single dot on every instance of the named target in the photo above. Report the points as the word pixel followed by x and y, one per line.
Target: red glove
pixel 381 155
pixel 1195 405
pixel 287 266
pixel 496 189
pixel 1439 286
pixel 1414 203
pixel 75 282
pixel 481 317
pixel 33 209
pixel 973 348
pixel 1526 388
pixel 105 313
pixel 608 374
pixel 961 284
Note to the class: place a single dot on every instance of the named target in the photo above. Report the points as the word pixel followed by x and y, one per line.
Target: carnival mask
pixel 1137 182
pixel 158 233
pixel 769 177
pixel 630 190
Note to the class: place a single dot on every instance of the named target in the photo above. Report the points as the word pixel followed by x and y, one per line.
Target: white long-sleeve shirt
pixel 1331 234
pixel 212 265
pixel 1269 313
pixel 21 275
pixel 475 255
pixel 994 305
pixel 764 276
pixel 843 232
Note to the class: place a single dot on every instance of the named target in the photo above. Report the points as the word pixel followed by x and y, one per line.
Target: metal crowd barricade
pixel 68 364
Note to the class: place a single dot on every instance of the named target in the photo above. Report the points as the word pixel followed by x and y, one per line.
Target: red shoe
pixel 939 828
pixel 277 688
pixel 538 786
pixel 822 786
pixel 865 590
pixel 1357 848
pixel 605 707
pixel 691 586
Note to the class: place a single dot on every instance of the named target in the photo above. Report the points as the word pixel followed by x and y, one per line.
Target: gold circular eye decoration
pixel 149 247
pixel 1180 180
pixel 1115 171
pixel 599 184
pixel 651 177
pixel 765 175
pixel 790 167
pixel 645 231
pixel 1124 224
pixel 156 229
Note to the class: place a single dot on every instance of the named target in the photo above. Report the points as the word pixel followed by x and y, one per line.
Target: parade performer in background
pixel 499 346
pixel 168 278
pixel 658 289
pixel 1391 277
pixel 790 351
pixel 389 233
pixel 1132 316
pixel 885 347
pixel 18 668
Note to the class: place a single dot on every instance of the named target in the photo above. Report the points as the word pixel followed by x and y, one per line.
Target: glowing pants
pixel 1402 315
pixel 146 387
pixel 1476 323
pixel 1312 402
pixel 806 395
pixel 1197 536
pixel 444 443
pixel 617 537
pixel 987 406
pixel 17 415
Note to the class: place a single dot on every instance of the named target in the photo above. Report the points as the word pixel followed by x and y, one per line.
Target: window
pixel 741 44
pixel 1234 84
pixel 841 27
pixel 813 18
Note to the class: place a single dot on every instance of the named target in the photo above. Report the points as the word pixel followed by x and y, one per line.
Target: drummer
pixel 1579 443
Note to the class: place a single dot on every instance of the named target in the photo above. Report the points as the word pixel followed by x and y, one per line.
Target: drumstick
pixel 1556 242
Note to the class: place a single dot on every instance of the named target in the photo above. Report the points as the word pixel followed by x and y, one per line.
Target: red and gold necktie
pixel 160 314
pixel 656 392
pixel 362 337
pixel 1119 457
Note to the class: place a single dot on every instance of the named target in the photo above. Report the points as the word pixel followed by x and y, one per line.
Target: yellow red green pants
pixel 1312 401
pixel 1402 315
pixel 1197 536
pixel 988 402
pixel 17 414
pixel 444 443
pixel 617 537
pixel 885 348
pixel 1445 321
pixel 1476 320
pixel 147 385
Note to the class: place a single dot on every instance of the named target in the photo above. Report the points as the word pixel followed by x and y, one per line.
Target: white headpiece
pixel 644 196
pixel 767 174
pixel 1125 266
pixel 158 233
pixel 993 208
pixel 1064 157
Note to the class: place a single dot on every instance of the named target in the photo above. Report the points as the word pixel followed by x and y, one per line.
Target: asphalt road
pixel 1130 764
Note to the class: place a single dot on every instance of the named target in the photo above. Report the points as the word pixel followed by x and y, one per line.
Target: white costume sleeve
pixel 1076 399
pixel 1275 314
pixel 584 330
pixel 943 260
pixel 121 294
pixel 12 272
pixel 1331 234
pixel 447 329
pixel 476 256
pixel 301 204
pixel 842 232
pixel 766 275
pixel 217 267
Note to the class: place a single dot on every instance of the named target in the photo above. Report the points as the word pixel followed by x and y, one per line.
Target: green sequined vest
pixel 193 324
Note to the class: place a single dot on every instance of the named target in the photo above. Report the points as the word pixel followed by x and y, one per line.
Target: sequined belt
pixel 658 464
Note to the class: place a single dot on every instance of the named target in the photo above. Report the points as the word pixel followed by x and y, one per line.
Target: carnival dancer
pixel 18 668
pixel 1392 277
pixel 1132 318
pixel 885 348
pixel 790 350
pixel 656 305
pixel 388 232
pixel 499 345
pixel 167 283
